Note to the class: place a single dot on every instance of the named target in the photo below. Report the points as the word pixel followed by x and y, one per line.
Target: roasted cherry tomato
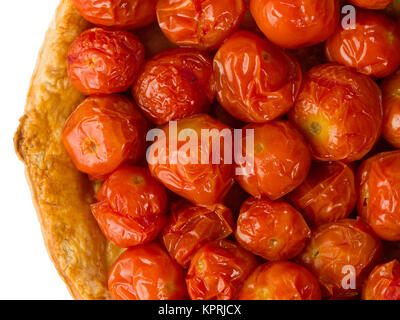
pixel 175 84
pixel 340 255
pixel 273 230
pixel 379 198
pixel 196 169
pixel 256 81
pixel 131 208
pixel 371 4
pixel 200 24
pixel 103 133
pixel 340 112
pixel 328 194
pixel 371 46
pixel 146 272
pixel 103 61
pixel 383 283
pixel 130 14
pixel 391 109
pixel 281 160
pixel 281 280
pixel 218 271
pixel 190 227
pixel 296 23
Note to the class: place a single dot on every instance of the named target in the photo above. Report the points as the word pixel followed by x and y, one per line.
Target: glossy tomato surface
pixel 281 160
pixel 383 283
pixel 146 272
pixel 371 4
pixel 190 227
pixel 296 23
pixel 339 251
pixel 200 24
pixel 281 280
pixel 218 271
pixel 328 194
pixel 175 84
pixel 379 194
pixel 103 133
pixel 340 112
pixel 256 81
pixel 371 46
pixel 391 109
pixel 103 61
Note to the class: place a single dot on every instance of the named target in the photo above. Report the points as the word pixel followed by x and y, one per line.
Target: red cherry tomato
pixel 379 198
pixel 130 14
pixel 281 160
pixel 175 84
pixel 328 194
pixel 146 273
pixel 273 230
pixel 371 4
pixel 256 81
pixel 103 61
pixel 190 227
pixel 281 280
pixel 103 133
pixel 131 208
pixel 218 271
pixel 337 252
pixel 391 108
pixel 383 283
pixel 200 24
pixel 296 23
pixel 371 46
pixel 340 112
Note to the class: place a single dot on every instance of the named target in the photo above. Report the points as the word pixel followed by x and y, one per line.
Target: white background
pixel 26 271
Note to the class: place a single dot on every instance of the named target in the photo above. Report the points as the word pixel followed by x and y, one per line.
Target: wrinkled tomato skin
pixel 200 24
pixel 190 227
pixel 371 47
pixel 175 84
pixel 103 133
pixel 371 4
pixel 335 246
pixel 339 111
pixel 273 230
pixel 295 24
pixel 379 194
pixel 127 14
pixel 132 277
pixel 218 271
pixel 281 160
pixel 200 183
pixel 391 108
pixel 383 283
pixel 103 61
pixel 327 195
pixel 256 81
pixel 281 280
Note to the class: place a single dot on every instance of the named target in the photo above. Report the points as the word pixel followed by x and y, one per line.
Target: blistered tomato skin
pixel 371 47
pixel 103 61
pixel 391 109
pixel 128 14
pixel 103 133
pixel 379 194
pixel 371 4
pixel 190 227
pixel 218 271
pixel 383 283
pixel 273 230
pixel 294 24
pixel 256 81
pixel 327 195
pixel 175 84
pixel 132 277
pixel 339 111
pixel 281 160
pixel 335 249
pixel 194 175
pixel 281 280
